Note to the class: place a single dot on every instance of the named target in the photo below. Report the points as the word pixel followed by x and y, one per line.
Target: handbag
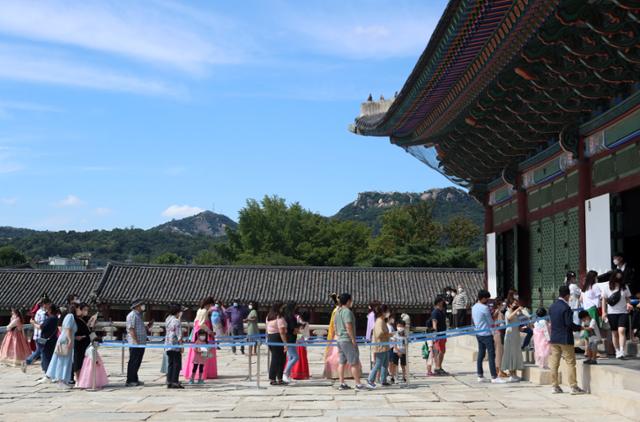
pixel 62 348
pixel 614 298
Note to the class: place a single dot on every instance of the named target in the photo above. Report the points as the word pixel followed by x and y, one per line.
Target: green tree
pixel 168 258
pixel 461 232
pixel 10 257
pixel 209 257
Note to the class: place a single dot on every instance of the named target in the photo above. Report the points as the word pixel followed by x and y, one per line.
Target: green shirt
pixel 344 317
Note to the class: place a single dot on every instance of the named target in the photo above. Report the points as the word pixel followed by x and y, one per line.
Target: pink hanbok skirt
pixel 541 348
pixel 211 364
pixel 89 367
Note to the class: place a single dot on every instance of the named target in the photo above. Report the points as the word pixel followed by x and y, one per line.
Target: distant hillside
pixel 10 233
pixel 447 202
pixel 206 223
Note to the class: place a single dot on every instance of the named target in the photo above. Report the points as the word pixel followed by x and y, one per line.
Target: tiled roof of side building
pixel 308 286
pixel 23 287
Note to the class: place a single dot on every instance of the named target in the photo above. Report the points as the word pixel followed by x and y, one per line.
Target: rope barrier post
pixel 258 364
pixel 94 362
pixel 122 355
pixel 406 358
pixel 249 356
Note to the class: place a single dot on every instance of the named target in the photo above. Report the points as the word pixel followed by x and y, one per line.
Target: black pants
pixel 174 365
pixel 135 360
pixel 197 367
pixel 278 358
pixel 460 318
pixel 237 331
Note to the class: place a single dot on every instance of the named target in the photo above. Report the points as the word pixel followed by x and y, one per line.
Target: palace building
pixel 534 107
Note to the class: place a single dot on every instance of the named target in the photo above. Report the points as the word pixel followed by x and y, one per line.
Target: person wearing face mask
pixel 460 304
pixel 201 356
pixel 137 333
pixel 173 337
pixel 252 325
pixel 202 322
pixel 380 334
pixel 628 273
pixel 512 358
pixel 236 315
pixel 399 349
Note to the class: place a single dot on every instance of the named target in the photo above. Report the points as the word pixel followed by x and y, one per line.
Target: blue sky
pixel 118 114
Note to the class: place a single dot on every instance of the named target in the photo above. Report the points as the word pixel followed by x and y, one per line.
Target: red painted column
pixel 584 193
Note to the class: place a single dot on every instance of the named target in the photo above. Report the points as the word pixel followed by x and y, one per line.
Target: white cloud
pixel 9 201
pixel 102 211
pixel 181 211
pixel 6 107
pixel 39 65
pixel 162 33
pixel 70 201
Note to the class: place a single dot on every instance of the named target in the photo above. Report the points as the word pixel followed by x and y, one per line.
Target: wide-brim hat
pixel 137 302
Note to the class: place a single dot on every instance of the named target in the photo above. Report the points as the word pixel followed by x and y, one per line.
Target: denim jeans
pixel 35 355
pixel 485 344
pixel 381 364
pixel 292 358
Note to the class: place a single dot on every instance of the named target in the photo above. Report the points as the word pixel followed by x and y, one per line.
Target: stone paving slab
pixel 232 397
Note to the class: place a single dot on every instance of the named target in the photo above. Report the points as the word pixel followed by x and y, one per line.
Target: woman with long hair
pixel 498 335
pixel 252 325
pixel 591 296
pixel 202 321
pixel 300 370
pixel 276 333
pixel 82 338
pixel 289 314
pixel 512 358
pixel 615 306
pixel 15 348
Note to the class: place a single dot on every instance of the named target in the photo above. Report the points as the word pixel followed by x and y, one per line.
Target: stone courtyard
pixel 232 397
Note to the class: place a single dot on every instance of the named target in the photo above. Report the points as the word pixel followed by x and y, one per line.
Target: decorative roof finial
pixel 370 98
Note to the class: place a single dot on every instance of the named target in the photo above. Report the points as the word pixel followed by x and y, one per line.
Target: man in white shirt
pixel 37 321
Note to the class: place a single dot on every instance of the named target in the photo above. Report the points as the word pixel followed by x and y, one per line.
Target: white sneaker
pixel 286 379
pixel 43 379
pixel 482 379
pixel 514 378
pixel 498 380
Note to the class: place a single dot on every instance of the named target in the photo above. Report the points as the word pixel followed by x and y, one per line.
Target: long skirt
pixel 300 370
pixel 89 368
pixel 210 367
pixel 541 348
pixel 14 349
pixel 512 357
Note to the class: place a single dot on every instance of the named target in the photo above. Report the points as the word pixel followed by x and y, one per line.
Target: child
pixel 426 354
pixel 400 349
pixel 591 336
pixel 200 356
pixel 391 326
pixel 541 339
pixel 91 366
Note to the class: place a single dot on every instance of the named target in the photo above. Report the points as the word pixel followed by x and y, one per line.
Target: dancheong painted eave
pixel 502 80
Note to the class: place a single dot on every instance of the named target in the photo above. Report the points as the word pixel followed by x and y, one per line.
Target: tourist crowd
pixel 63 339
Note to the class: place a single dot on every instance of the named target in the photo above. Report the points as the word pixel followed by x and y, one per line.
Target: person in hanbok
pixel 300 370
pixel 61 366
pixel 92 369
pixel 202 321
pixel 541 337
pixel 331 355
pixel 15 348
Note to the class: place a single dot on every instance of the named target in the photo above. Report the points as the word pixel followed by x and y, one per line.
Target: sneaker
pixel 131 384
pixel 190 382
pixel 441 372
pixel 622 357
pixel 286 378
pixel 343 387
pixel 386 384
pixel 557 390
pixel 498 380
pixel 482 380
pixel 577 390
pixel 371 385
pixel 362 387
pixel 514 378
pixel 43 379
pixel 200 381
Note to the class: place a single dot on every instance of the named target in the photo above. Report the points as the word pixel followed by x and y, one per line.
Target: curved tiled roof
pixel 308 286
pixel 25 286
pixel 120 284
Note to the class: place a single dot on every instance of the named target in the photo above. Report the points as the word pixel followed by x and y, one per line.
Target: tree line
pixel 272 232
